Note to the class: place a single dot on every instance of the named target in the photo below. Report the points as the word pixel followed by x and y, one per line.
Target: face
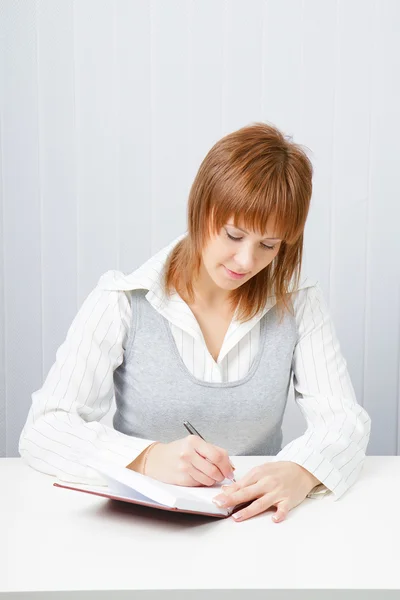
pixel 235 254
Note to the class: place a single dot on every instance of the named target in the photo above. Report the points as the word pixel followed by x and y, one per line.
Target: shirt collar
pixel 149 277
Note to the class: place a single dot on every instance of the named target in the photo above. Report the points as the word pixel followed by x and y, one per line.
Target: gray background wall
pixel 107 109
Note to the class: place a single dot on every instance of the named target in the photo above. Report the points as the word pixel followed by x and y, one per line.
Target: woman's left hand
pixel 282 484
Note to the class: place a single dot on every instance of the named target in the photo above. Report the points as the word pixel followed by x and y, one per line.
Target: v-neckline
pixel 221 384
pixel 200 331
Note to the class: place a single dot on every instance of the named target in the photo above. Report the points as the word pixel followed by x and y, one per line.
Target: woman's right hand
pixel 183 462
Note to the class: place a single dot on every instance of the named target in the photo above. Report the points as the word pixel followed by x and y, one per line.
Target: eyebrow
pixel 244 231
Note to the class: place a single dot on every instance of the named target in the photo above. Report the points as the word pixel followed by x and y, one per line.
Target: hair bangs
pixel 271 205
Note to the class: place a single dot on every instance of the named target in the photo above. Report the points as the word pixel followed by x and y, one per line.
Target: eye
pixel 237 239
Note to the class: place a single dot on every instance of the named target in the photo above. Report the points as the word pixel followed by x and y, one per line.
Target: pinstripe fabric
pixel 62 425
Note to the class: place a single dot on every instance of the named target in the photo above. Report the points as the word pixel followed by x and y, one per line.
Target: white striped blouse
pixel 62 426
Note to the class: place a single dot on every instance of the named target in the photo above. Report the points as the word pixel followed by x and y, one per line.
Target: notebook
pixel 128 486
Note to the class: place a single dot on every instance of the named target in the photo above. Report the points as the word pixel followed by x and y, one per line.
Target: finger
pixel 229 489
pixel 217 456
pixel 190 481
pixel 186 479
pixel 255 508
pixel 232 466
pixel 254 475
pixel 220 459
pixel 186 466
pixel 199 476
pixel 210 470
pixel 242 495
pixel 249 479
pixel 281 512
pixel 188 455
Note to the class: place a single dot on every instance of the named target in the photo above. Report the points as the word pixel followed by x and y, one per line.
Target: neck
pixel 207 294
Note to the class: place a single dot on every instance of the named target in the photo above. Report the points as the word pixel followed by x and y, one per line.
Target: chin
pixel 228 285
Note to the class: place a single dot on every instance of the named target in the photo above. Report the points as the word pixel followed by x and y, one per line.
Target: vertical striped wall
pixel 107 109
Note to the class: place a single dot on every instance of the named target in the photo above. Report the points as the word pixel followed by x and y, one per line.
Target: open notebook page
pixel 123 481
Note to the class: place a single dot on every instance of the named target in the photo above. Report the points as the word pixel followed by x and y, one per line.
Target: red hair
pixel 251 175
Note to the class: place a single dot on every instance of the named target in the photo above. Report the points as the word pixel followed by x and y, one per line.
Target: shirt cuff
pixel 319 491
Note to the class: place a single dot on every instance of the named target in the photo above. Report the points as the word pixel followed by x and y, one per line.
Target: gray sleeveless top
pixel 155 392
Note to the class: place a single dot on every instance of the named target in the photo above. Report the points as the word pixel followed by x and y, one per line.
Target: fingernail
pixel 231 475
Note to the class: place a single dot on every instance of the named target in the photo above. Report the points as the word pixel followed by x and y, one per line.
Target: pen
pixel 193 431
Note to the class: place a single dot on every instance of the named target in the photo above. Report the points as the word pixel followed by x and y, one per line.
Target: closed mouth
pixel 235 272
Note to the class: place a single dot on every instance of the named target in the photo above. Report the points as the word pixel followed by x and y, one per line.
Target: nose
pixel 244 258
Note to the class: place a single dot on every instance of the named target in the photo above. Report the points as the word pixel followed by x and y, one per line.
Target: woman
pixel 211 330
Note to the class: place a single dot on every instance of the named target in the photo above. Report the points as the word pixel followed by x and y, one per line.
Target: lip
pixel 234 275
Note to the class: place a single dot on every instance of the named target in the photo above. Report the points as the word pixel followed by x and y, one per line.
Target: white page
pixel 202 495
pixel 144 485
pixel 205 493
pixel 163 493
pixel 123 491
pixel 185 500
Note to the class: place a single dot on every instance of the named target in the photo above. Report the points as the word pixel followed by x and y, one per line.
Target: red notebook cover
pixel 151 504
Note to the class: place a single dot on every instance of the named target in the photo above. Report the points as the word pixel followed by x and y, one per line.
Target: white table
pixel 65 544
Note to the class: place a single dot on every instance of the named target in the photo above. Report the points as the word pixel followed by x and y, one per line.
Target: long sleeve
pixel 334 444
pixel 62 426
